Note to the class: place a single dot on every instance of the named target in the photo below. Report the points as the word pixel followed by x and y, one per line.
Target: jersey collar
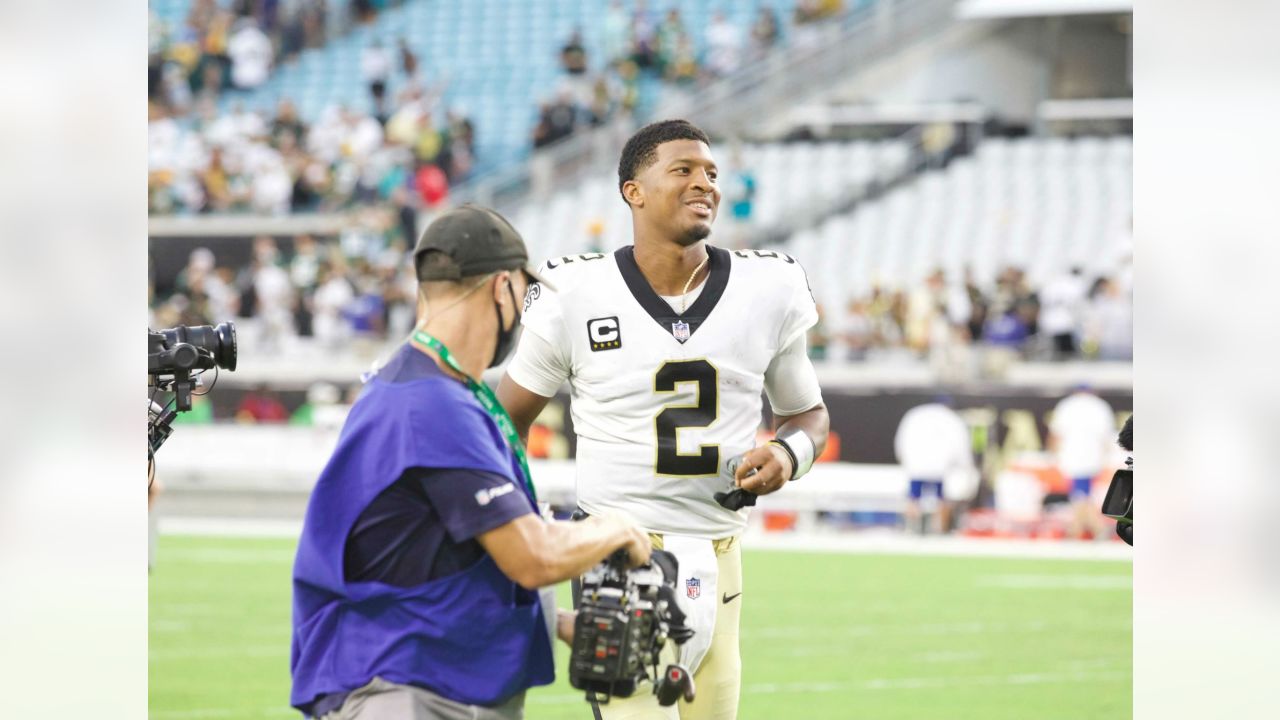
pixel 718 265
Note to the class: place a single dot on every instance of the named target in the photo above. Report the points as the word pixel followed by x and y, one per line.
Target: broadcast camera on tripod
pixel 175 360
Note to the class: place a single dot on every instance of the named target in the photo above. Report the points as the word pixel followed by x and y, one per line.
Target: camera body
pixel 625 617
pixel 173 356
pixel 1118 504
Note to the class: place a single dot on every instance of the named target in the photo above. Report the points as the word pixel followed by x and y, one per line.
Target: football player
pixel 667 345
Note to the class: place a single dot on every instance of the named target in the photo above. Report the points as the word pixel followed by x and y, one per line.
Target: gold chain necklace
pixel 684 294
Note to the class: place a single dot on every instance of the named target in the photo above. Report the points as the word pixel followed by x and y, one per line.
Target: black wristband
pixel 790 453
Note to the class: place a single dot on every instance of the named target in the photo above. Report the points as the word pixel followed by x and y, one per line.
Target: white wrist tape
pixel 800 447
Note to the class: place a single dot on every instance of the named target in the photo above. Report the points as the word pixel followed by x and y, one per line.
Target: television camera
pixel 175 359
pixel 625 618
pixel 1118 504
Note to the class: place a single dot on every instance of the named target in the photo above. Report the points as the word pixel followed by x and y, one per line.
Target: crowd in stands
pixel 643 44
pixel 242 162
pixel 358 287
pixel 1071 316
pixel 409 150
pixel 223 45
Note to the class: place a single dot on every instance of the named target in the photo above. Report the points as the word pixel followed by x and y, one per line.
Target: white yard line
pixel 893 543
pixel 217 713
pixel 855 543
pixel 230 527
pixel 908 683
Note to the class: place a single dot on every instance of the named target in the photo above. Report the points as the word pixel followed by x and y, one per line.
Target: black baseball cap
pixel 477 241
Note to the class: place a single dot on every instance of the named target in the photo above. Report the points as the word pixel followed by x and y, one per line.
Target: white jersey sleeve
pixel 791 382
pixel 542 360
pixel 802 311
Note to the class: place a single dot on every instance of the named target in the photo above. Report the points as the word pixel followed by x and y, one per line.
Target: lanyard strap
pixel 489 402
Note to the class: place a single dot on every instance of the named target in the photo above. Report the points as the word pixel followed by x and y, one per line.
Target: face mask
pixel 506 338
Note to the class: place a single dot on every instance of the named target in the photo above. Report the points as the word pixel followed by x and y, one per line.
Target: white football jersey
pixel 662 401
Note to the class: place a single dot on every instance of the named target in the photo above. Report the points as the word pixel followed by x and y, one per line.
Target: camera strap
pixel 489 402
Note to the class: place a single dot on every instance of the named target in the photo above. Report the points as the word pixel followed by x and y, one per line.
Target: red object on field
pixel 432 184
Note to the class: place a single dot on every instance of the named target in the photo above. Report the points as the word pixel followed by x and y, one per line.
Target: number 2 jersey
pixel 663 400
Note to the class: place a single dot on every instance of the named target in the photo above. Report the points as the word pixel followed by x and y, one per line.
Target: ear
pixel 501 281
pixel 633 193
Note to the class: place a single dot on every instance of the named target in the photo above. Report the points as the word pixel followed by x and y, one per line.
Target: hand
pixel 772 468
pixel 564 624
pixel 634 540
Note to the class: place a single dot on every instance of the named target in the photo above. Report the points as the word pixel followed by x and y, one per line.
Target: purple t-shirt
pixel 424 525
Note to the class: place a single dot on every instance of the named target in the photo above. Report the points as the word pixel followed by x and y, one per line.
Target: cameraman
pixel 414 587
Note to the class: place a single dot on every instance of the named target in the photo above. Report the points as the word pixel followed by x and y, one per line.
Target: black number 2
pixel 704 411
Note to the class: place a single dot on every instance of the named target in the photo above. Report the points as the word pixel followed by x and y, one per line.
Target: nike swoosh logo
pixel 729 598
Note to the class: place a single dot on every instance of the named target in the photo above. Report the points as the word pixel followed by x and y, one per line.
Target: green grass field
pixel 871 637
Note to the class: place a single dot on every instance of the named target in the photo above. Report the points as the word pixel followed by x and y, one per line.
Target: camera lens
pixel 224 354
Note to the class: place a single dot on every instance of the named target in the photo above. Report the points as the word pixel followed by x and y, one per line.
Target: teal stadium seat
pixel 501 57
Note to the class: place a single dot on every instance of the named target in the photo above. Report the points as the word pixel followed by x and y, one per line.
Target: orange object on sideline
pixel 779 520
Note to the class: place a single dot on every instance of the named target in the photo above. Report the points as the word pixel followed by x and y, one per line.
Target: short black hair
pixel 642 149
pixel 1126 435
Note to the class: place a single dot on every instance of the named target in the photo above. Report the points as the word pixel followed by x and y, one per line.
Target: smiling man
pixel 667 345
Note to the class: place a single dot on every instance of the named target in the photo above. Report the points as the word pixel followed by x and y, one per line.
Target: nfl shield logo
pixel 680 329
pixel 693 586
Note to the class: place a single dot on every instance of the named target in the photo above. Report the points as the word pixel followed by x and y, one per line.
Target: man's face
pixel 679 193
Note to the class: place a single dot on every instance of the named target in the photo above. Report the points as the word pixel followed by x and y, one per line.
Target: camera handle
pixel 676 682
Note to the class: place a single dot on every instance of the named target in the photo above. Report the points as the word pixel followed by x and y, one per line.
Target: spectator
pixel 1081 432
pixel 250 51
pixel 932 445
pixel 573 56
pixel 1063 305
pixel 323 409
pixel 764 32
pixel 375 68
pixel 287 122
pixel 602 101
pixel 274 295
pixel 724 45
pixel 561 117
pixel 1006 329
pixel 857 333
pixel 304 273
pixel 978 305
pixel 261 405
pixel 615 34
pixel 644 38
pixel 271 187
pixel 669 34
pixel 217 183
pixel 1110 326
pixel 408 61
pixel 364 11
pixel 925 309
pixel 333 294
pixel 363 136
pixel 683 69
pixel 292 20
pixel 432 185
pixel 458 156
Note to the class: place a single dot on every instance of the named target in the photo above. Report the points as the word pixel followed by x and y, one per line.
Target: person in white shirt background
pixel 934 448
pixel 1062 306
pixel 1082 432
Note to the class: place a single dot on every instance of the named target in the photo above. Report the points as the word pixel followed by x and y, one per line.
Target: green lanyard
pixel 489 402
